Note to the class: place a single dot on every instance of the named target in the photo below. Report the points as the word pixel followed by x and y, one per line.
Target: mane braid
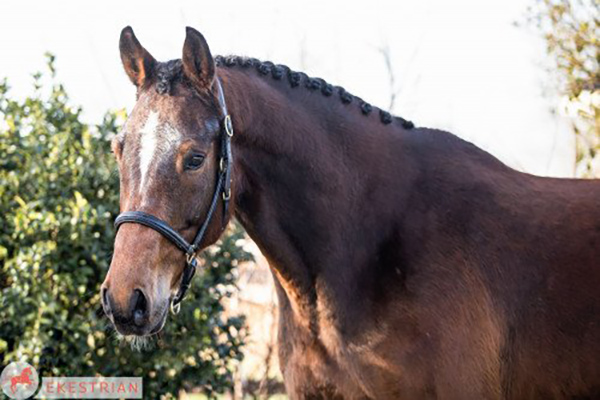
pixel 296 79
pixel 170 72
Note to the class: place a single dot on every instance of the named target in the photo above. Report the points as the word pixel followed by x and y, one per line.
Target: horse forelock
pixel 167 73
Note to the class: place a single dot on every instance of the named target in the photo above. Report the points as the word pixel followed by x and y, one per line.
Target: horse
pixel 23 378
pixel 408 263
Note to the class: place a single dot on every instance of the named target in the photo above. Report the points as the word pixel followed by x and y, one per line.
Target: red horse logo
pixel 23 379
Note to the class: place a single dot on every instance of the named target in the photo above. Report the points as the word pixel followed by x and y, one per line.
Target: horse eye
pixel 194 161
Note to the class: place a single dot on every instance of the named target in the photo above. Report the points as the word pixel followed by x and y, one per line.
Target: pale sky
pixel 459 65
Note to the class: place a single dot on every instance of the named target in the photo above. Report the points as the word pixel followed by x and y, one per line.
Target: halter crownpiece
pixel 222 189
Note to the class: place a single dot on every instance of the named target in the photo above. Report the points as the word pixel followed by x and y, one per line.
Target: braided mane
pixel 171 71
pixel 296 79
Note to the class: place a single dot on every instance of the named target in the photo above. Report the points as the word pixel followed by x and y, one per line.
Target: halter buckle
pixel 228 125
pixel 190 257
pixel 227 194
pixel 175 308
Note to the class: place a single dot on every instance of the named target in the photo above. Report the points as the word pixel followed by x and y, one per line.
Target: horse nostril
pixel 105 303
pixel 140 307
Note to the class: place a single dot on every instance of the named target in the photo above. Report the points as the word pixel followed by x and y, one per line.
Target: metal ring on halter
pixel 228 125
pixel 227 195
pixel 190 257
pixel 175 308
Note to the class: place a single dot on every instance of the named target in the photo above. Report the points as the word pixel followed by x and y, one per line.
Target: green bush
pixel 58 199
pixel 570 29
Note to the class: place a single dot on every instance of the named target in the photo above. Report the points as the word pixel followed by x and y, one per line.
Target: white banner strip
pixel 90 388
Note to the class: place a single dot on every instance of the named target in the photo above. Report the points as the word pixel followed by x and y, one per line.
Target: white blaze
pixel 157 141
pixel 149 139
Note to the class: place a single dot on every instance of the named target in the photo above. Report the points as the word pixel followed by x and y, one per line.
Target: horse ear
pixel 198 64
pixel 138 63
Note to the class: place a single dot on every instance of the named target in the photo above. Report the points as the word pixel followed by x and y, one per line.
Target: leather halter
pixel 222 189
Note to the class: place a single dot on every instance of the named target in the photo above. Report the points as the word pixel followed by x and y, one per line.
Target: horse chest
pixel 310 369
pixel 327 366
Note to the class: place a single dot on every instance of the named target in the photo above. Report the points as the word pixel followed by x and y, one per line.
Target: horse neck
pixel 317 183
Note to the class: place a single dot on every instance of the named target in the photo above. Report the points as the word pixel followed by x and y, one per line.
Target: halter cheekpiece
pixel 222 190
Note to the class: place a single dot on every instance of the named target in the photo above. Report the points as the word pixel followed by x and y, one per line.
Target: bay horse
pixel 408 263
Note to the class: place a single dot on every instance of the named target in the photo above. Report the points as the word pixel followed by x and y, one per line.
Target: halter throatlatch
pixel 222 191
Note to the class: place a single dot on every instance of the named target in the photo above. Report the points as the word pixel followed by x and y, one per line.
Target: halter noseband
pixel 222 188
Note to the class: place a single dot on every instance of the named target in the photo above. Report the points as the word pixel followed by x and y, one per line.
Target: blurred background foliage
pixel 571 29
pixel 59 195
